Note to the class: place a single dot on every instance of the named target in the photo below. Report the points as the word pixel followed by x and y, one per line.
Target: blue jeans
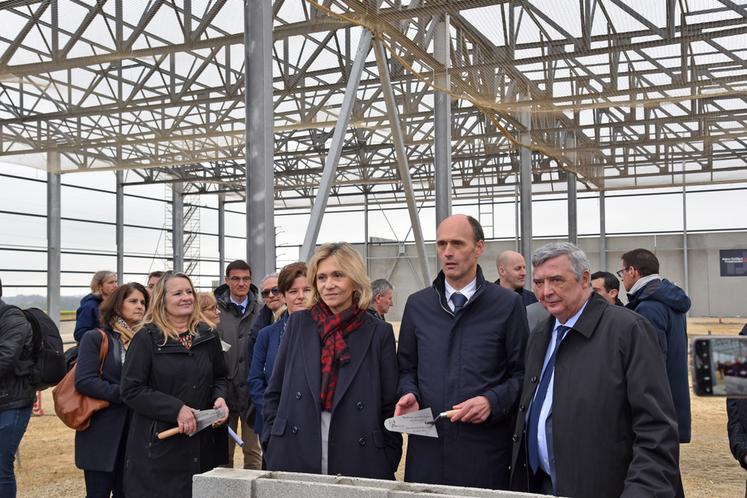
pixel 13 424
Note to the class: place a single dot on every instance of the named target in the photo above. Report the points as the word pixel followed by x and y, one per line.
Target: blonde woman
pixel 174 366
pixel 335 376
pixel 103 284
pixel 209 308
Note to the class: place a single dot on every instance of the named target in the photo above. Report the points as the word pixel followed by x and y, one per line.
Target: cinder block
pixel 221 482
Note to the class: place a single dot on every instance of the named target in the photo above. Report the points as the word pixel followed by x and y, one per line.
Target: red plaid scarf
pixel 333 331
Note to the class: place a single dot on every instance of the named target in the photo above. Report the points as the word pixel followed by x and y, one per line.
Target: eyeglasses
pixel 214 309
pixel 236 280
pixel 620 273
pixel 266 292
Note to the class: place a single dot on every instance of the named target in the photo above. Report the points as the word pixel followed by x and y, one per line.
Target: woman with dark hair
pixel 293 286
pixel 103 284
pixel 335 378
pixel 174 367
pixel 100 449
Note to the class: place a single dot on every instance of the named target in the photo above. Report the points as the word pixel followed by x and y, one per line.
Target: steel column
pixel 260 224
pixel 365 230
pixel 442 124
pixel 572 209
pixel 177 225
pixel 54 195
pixel 401 154
pixel 335 149
pixel 602 232
pixel 525 187
pixel 686 262
pixel 221 235
pixel 119 225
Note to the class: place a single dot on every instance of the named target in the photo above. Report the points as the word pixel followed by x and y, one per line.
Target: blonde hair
pixel 98 280
pixel 206 301
pixel 156 313
pixel 351 264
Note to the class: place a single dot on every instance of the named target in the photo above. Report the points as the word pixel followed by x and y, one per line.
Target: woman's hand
pixel 220 403
pixel 186 420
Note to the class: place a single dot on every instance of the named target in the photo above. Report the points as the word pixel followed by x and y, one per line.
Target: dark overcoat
pixel 614 428
pixel 234 328
pixel 365 396
pixel 263 361
pixel 157 380
pixel 665 305
pixel 96 447
pixel 444 360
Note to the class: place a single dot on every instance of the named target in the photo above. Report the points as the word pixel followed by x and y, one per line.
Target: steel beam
pixel 335 149
pixel 525 187
pixel 119 225
pixel 442 124
pixel 572 209
pixel 221 235
pixel 54 218
pixel 685 255
pixel 602 232
pixel 260 225
pixel 401 153
pixel 572 183
pixel 177 225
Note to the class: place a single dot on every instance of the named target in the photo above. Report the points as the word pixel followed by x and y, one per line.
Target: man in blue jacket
pixel 461 346
pixel 664 305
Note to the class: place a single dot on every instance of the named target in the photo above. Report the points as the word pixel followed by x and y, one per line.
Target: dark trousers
pixel 103 484
pixel 13 423
pixel 540 483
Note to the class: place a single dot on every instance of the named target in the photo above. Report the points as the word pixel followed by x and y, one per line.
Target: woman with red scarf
pixel 335 379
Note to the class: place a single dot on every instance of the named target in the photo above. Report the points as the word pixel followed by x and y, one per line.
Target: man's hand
pixel 186 420
pixel 473 411
pixel 406 404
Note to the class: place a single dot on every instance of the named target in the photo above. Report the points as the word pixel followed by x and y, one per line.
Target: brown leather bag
pixel 75 409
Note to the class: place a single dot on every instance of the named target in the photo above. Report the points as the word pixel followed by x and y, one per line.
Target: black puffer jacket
pixel 16 344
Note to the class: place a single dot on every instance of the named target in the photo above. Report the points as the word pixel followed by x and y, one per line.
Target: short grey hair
pixel 269 275
pixel 380 286
pixel 579 262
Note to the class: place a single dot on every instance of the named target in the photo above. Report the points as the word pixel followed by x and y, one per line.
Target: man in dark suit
pixel 596 416
pixel 461 345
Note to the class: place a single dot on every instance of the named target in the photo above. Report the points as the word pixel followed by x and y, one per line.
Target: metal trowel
pixel 419 423
pixel 204 418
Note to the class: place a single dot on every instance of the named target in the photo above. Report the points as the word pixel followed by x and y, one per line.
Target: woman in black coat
pixel 99 450
pixel 174 366
pixel 335 379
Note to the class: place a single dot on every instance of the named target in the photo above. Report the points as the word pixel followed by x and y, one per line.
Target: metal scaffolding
pixel 618 94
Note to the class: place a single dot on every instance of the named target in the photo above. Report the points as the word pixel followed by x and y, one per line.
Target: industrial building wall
pixel 711 294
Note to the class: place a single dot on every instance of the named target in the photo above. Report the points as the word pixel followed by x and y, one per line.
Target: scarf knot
pixel 333 331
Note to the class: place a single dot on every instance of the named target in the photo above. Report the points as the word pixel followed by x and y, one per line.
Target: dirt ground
pixel 46 465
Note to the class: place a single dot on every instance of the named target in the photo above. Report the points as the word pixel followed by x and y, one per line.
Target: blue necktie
pixel 539 400
pixel 459 301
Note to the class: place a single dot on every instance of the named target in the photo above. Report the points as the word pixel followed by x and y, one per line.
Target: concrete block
pixel 222 482
pixel 271 488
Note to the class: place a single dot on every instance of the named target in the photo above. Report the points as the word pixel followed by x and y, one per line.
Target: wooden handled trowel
pixel 419 423
pixel 204 419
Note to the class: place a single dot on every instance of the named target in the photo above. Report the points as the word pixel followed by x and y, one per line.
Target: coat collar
pixel 589 319
pixel 439 284
pixel 358 343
